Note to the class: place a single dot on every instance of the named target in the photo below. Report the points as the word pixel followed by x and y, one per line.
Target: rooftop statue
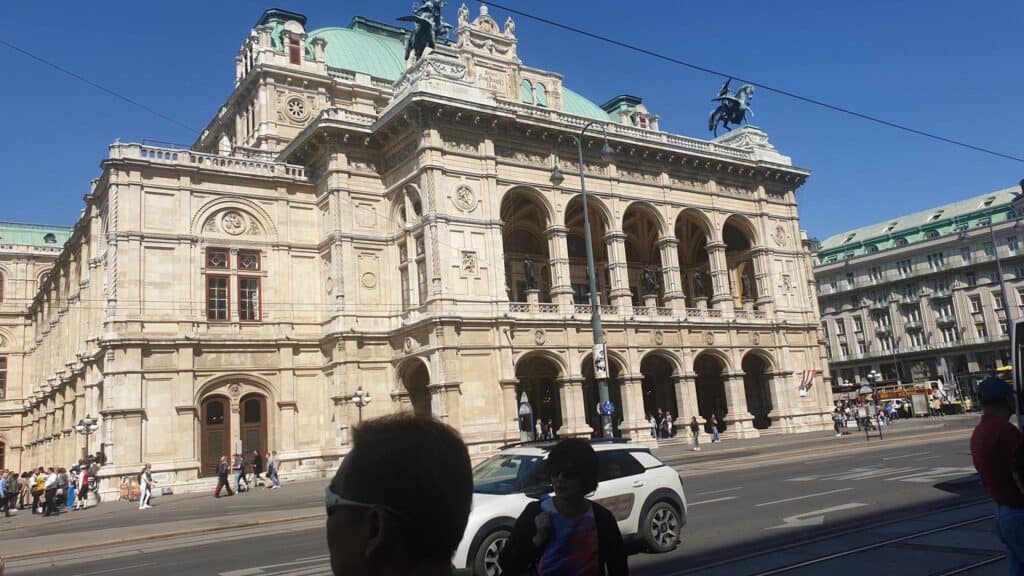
pixel 732 108
pixel 430 27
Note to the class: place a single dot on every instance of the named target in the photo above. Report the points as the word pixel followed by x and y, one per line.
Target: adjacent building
pixel 350 220
pixel 918 298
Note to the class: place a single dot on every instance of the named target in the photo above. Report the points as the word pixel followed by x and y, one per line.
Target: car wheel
pixel 485 563
pixel 662 528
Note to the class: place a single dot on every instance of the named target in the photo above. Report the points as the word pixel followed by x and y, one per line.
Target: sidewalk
pixel 780 446
pixel 27 534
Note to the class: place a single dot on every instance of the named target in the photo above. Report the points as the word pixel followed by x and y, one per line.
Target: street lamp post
pixel 599 355
pixel 361 399
pixel 87 427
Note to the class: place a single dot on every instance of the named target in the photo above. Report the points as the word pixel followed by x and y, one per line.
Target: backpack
pixel 62 481
pixel 12 485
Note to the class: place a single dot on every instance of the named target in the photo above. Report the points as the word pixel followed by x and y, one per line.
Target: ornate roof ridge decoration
pixel 484 37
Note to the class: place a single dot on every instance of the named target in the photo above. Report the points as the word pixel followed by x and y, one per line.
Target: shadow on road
pixel 959 492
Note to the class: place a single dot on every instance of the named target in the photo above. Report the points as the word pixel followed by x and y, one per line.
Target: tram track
pixel 875 546
pixel 827 535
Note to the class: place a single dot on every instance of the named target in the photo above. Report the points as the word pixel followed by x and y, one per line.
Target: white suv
pixel 643 494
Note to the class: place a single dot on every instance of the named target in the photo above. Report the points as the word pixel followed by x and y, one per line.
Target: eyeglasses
pixel 333 502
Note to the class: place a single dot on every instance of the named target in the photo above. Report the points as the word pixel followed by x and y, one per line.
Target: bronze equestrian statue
pixel 732 108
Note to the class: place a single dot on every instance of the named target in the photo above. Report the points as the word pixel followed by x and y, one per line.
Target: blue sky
pixel 949 67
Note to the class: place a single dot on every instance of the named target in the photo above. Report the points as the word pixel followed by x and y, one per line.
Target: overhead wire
pixel 763 86
pixel 97 86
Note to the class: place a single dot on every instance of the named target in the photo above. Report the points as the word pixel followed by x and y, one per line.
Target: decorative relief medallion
pixel 235 390
pixel 464 198
pixel 659 337
pixel 540 337
pixel 780 236
pixel 409 345
pixel 470 264
pixel 369 280
pixel 755 338
pixel 296 108
pixel 233 222
pixel 709 338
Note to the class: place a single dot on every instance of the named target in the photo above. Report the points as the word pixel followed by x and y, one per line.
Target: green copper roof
pixel 33 235
pixel 919 226
pixel 573 103
pixel 361 51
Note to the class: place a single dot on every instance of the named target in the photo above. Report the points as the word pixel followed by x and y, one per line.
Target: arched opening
pixel 541 94
pixel 524 240
pixel 526 91
pixel 578 249
pixel 710 372
pixel 215 425
pixel 416 381
pixel 694 263
pixel 538 377
pixel 658 385
pixel 252 412
pixel 591 397
pixel 643 258
pixel 739 239
pixel 756 388
pixel 407 213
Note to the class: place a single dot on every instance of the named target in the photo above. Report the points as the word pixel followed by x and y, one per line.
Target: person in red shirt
pixel 994 445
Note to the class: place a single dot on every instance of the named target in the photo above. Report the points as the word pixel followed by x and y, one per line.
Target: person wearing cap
pixel 994 445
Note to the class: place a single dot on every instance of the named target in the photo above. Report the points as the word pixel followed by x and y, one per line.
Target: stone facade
pixel 333 230
pixel 918 298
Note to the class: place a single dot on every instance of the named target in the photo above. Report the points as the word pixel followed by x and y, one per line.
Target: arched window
pixel 901 242
pixel 251 412
pixel 541 94
pixel 50 238
pixel 526 91
pixel 215 413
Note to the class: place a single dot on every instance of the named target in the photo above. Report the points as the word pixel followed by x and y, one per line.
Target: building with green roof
pixel 918 298
pixel 353 219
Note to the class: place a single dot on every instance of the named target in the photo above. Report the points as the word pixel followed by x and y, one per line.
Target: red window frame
pixel 254 253
pixel 227 297
pixel 242 302
pixel 222 251
pixel 294 51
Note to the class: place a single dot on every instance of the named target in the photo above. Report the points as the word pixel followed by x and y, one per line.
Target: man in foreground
pixel 993 444
pixel 400 500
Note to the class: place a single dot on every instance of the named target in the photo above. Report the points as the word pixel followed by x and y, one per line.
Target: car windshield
pixel 510 474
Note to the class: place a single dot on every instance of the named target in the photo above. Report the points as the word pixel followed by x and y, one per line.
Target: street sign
pixel 606 408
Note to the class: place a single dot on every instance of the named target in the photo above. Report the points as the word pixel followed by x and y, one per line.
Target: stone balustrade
pixel 232 164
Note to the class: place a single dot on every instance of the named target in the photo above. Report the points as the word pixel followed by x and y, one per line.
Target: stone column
pixel 781 411
pixel 574 420
pixel 558 265
pixel 763 279
pixel 739 420
pixel 721 298
pixel 634 424
pixel 618 270
pixel 686 403
pixel 509 409
pixel 671 279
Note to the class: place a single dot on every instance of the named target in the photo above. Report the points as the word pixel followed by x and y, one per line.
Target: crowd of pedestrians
pixel 48 491
pixel 247 472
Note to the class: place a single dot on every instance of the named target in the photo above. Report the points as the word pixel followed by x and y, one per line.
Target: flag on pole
pixel 808 380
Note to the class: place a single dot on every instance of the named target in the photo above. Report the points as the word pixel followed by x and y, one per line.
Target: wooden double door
pixel 217 430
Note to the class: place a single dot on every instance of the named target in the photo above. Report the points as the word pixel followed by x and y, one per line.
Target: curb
pixel 134 539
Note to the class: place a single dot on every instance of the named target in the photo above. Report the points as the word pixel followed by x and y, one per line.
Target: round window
pixel 297 108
